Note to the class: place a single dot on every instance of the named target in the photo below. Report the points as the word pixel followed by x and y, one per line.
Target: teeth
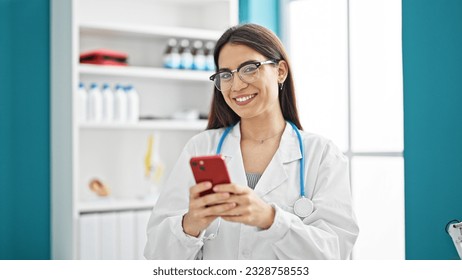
pixel 245 98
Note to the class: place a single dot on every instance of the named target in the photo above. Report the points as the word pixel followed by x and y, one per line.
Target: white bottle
pixel 120 104
pixel 108 103
pixel 95 103
pixel 133 104
pixel 82 100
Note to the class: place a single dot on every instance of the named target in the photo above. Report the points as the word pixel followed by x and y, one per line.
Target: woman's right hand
pixel 204 210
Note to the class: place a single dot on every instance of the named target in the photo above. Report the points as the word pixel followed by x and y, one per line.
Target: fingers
pixel 210 204
pixel 236 218
pixel 204 209
pixel 210 199
pixel 243 199
pixel 221 194
pixel 194 191
pixel 217 210
pixel 195 221
pixel 231 202
pixel 250 216
pixel 231 188
pixel 238 210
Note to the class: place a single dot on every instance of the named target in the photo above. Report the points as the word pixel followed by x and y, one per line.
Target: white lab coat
pixel 328 233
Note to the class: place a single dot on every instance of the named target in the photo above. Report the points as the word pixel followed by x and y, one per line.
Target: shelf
pixel 195 1
pixel 196 125
pixel 118 29
pixel 145 72
pixel 112 204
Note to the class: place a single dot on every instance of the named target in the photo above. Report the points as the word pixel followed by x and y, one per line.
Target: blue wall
pixel 5 130
pixel 432 58
pixel 263 12
pixel 24 130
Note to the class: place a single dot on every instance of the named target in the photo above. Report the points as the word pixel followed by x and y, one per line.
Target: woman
pixel 254 216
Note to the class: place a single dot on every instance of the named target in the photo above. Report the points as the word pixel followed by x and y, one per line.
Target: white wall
pixel 346 59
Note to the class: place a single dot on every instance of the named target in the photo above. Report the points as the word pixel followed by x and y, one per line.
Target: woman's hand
pixel 250 209
pixel 203 210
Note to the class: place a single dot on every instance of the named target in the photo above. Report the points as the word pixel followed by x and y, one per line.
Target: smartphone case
pixel 210 168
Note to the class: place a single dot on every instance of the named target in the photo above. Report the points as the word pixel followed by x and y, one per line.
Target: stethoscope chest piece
pixel 303 207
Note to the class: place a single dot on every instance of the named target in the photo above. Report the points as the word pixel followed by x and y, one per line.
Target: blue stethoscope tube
pixel 303 207
pixel 302 151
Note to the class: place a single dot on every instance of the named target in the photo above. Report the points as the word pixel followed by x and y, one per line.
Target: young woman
pixel 290 193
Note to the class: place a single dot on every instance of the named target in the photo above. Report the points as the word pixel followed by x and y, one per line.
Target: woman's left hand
pixel 250 210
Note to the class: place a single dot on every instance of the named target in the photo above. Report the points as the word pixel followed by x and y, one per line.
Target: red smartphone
pixel 209 168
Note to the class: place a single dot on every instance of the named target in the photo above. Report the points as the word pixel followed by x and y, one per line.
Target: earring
pixel 281 85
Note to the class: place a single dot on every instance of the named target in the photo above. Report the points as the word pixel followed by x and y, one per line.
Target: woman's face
pixel 256 99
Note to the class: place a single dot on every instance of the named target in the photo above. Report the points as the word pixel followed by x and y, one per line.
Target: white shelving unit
pixel 164 125
pixel 110 205
pixel 144 72
pixel 133 30
pixel 115 152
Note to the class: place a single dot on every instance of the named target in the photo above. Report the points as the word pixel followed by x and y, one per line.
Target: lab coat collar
pixel 275 174
pixel 231 150
pixel 289 147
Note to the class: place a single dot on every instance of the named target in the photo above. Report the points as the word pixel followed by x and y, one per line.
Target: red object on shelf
pixel 104 57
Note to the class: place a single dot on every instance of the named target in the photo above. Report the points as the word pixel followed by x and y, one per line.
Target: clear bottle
pixel 108 103
pixel 186 61
pixel 95 103
pixel 209 61
pixel 133 104
pixel 199 56
pixel 82 101
pixel 172 55
pixel 120 104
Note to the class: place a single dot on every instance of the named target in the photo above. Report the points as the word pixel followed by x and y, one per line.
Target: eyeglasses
pixel 248 73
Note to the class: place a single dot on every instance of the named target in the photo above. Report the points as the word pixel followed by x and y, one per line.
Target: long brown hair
pixel 265 42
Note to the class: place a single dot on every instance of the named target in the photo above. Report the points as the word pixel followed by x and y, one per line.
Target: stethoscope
pixel 303 206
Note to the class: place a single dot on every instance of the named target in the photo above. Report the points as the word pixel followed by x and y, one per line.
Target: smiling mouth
pixel 244 99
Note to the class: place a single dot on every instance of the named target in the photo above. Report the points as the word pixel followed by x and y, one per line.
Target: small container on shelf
pixel 108 103
pixel 95 104
pixel 82 109
pixel 186 57
pixel 172 55
pixel 120 104
pixel 133 104
pixel 104 57
pixel 199 56
pixel 209 60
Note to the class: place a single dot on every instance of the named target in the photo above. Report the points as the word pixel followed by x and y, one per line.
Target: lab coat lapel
pixel 275 174
pixel 231 150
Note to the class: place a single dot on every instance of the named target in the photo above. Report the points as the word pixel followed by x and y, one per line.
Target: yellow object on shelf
pixel 147 158
pixel 153 166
